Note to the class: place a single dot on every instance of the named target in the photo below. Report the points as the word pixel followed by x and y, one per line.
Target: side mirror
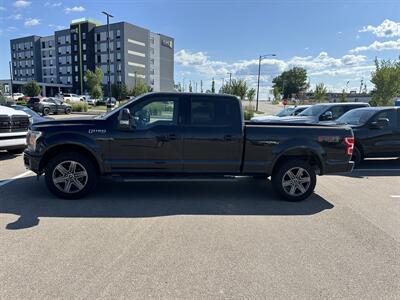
pixel 327 116
pixel 125 120
pixel 380 123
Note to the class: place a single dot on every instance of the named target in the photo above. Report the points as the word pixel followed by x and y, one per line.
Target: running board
pixel 176 179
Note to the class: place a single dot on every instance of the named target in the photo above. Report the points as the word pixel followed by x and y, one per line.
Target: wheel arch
pixel 70 147
pixel 303 153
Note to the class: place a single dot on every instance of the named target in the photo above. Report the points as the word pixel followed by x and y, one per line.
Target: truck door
pixel 385 141
pixel 213 136
pixel 155 144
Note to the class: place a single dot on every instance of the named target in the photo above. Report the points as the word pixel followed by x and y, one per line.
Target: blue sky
pixel 336 41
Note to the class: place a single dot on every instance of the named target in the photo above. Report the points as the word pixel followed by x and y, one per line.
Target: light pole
pixel 259 71
pixel 108 59
pixel 230 78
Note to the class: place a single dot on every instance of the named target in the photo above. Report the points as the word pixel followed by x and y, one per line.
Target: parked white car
pixel 72 98
pixel 14 126
pixel 89 100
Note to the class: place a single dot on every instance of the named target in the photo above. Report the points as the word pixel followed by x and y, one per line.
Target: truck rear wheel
pixel 70 175
pixel 294 180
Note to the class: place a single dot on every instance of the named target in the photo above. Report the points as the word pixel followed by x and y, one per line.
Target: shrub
pixel 80 107
pixel 248 112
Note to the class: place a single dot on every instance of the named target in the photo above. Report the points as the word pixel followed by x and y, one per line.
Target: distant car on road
pixel 376 131
pixel 72 98
pixel 34 116
pixel 285 112
pixel 320 113
pixel 105 100
pixel 47 106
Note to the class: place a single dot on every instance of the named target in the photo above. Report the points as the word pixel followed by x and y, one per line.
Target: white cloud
pixel 15 17
pixel 74 9
pixel 21 3
pixel 31 22
pixel 2 8
pixel 388 28
pixel 322 65
pixel 54 4
pixel 378 46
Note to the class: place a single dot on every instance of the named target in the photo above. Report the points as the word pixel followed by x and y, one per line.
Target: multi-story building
pixel 59 62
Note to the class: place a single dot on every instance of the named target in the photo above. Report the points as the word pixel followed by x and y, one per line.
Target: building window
pixel 152 61
pixel 83 35
pixel 98 37
pixel 84 46
pixel 152 40
pixel 118 56
pixel 76 58
pixel 76 78
pixel 84 68
pixel 75 47
pixel 76 68
pixel 118 33
pixel 84 57
pixel 51 62
pixel 118 45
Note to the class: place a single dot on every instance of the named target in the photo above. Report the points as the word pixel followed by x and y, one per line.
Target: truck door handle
pixel 228 137
pixel 172 136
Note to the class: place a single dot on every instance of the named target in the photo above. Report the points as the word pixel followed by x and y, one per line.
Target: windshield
pixel 28 111
pixel 356 117
pixel 314 110
pixel 286 112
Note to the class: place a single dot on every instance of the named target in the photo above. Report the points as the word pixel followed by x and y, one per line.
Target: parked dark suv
pixel 47 106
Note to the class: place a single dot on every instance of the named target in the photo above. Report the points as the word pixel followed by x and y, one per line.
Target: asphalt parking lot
pixel 197 240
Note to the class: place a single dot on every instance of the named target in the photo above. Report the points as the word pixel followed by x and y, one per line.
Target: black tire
pixel 357 157
pixel 281 175
pixel 46 111
pixel 15 151
pixel 63 158
pixel 68 110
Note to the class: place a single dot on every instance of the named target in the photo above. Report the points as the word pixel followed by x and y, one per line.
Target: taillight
pixel 349 141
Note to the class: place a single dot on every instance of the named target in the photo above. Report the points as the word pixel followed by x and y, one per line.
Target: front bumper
pixel 12 142
pixel 32 162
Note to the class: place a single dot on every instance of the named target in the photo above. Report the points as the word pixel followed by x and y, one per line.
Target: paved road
pixel 203 240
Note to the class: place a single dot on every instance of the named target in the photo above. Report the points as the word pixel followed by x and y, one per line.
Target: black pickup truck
pixel 184 136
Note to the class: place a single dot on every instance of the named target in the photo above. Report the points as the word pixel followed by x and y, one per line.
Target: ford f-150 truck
pixel 184 136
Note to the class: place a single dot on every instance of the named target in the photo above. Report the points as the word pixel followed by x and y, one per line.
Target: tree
pixel 343 97
pixel 276 93
pixel 236 87
pixel 251 93
pixel 293 81
pixel 31 89
pixel 94 80
pixel 386 79
pixel 213 86
pixel 190 87
pixel 119 91
pixel 320 92
pixel 139 89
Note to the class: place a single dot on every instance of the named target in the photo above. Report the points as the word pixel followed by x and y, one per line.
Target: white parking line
pixel 395 196
pixel 15 177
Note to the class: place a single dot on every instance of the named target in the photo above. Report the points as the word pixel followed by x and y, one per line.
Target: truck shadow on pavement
pixel 30 200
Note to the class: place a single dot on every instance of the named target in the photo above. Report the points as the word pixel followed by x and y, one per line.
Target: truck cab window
pixel 155 112
pixel 213 113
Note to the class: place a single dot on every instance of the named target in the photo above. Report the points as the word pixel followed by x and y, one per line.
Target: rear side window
pixel 214 112
pixel 387 114
pixel 337 111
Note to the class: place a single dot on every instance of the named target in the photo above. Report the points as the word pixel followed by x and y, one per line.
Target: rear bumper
pixel 338 167
pixel 32 162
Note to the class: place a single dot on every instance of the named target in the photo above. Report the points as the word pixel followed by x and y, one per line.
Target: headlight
pixel 32 138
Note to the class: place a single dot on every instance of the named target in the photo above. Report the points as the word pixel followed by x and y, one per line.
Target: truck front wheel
pixel 70 175
pixel 294 180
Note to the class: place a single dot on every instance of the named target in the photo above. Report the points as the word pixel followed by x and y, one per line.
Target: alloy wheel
pixel 70 177
pixel 296 181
